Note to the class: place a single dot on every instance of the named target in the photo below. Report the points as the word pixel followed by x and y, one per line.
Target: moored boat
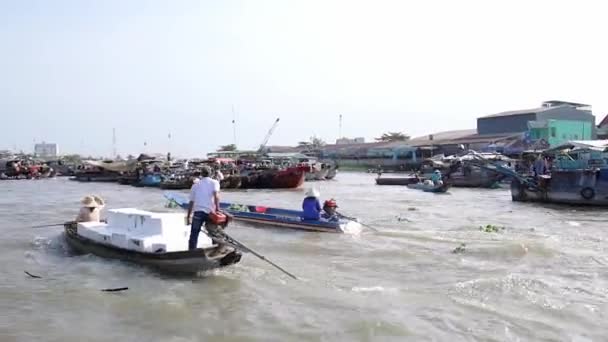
pixel 150 180
pixel 397 180
pixel 287 178
pixel 439 188
pixel 150 239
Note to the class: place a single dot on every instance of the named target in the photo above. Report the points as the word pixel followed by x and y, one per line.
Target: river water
pixel 544 277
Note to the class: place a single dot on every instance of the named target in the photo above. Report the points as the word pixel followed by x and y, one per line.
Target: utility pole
pixel 340 128
pixel 114 143
pixel 233 127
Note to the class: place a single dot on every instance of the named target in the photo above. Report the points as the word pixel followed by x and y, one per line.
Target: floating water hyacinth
pixel 490 228
pixel 172 204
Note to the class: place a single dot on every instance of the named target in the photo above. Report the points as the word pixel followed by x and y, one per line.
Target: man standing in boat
pixel 204 200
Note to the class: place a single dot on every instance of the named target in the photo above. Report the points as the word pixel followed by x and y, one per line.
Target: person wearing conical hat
pixel 91 209
pixel 311 207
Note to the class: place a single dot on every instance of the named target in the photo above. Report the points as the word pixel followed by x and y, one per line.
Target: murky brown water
pixel 544 277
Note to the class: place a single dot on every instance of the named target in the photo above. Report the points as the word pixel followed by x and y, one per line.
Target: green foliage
pixel 393 136
pixel 490 228
pixel 227 148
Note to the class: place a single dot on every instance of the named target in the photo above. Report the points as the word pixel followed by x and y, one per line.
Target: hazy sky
pixel 70 71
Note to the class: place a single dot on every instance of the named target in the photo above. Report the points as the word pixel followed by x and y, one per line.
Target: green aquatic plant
pixel 460 249
pixel 490 228
pixel 172 204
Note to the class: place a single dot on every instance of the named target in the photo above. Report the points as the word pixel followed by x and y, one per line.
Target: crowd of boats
pixel 572 173
pixel 575 172
pixel 263 173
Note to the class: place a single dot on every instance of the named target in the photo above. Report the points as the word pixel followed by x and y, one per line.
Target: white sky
pixel 73 70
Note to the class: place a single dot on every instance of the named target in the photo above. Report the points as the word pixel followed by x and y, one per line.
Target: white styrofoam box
pixel 127 219
pixel 87 229
pixel 119 240
pixel 162 247
pixel 152 225
pixel 143 243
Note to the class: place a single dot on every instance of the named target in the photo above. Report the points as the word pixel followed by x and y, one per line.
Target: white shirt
pixel 202 192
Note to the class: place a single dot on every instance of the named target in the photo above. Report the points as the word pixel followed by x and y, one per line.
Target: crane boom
pixel 268 135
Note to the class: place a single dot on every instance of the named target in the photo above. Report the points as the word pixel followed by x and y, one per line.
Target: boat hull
pixel 189 262
pixel 430 188
pixel 290 178
pixel 152 181
pixel 333 172
pixel 576 195
pixel 397 180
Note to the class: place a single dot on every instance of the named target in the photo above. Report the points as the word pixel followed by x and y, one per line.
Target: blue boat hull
pixel 277 217
pixel 150 181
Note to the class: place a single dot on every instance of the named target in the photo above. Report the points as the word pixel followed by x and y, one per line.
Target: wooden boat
pixel 579 187
pixel 288 178
pixel 333 172
pixel 108 176
pixel 150 180
pixel 397 180
pixel 176 184
pixel 283 218
pixel 442 188
pixel 84 238
pixel 231 182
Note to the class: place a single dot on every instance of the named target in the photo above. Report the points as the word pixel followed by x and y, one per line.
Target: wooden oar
pixel 49 225
pixel 354 219
pixel 244 248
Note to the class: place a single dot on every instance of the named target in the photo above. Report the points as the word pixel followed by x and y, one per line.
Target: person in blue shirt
pixel 436 177
pixel 311 206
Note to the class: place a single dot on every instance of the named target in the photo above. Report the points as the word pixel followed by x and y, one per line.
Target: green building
pixel 556 131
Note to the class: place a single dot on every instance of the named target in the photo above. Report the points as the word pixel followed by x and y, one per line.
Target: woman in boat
pixel 329 210
pixel 437 178
pixel 311 207
pixel 91 209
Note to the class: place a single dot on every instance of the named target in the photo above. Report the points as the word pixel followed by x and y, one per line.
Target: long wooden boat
pixel 397 180
pixel 283 218
pixel 289 178
pixel 182 262
pixel 96 177
pixel 442 188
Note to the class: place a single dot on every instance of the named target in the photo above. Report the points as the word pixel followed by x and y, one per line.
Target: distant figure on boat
pixel 329 210
pixel 311 206
pixel 437 177
pixel 91 209
pixel 539 166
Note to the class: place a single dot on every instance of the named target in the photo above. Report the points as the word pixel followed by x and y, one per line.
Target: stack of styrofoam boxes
pixel 91 230
pixel 150 232
pixel 146 232
pixel 123 222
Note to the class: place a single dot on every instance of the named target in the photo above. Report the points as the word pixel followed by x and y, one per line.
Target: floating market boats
pixel 463 171
pixel 283 218
pixel 157 240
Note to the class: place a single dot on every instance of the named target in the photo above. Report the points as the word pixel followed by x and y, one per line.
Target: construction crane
pixel 268 135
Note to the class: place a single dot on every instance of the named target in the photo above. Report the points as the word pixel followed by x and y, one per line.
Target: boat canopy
pixel 113 166
pixel 595 145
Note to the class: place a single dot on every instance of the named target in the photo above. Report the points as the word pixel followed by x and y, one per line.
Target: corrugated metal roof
pixel 519 112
